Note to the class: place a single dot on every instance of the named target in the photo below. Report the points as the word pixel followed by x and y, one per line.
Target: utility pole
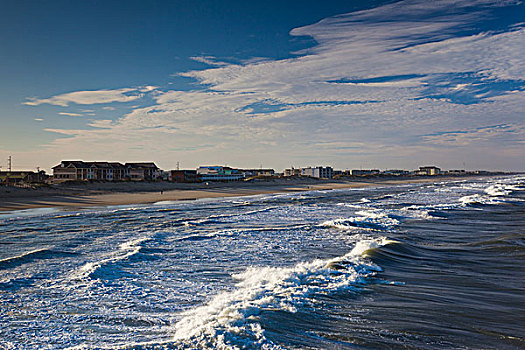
pixel 9 164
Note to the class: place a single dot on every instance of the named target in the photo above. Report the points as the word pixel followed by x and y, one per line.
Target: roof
pixel 428 167
pixel 142 165
pixel 79 164
pixel 74 163
pixel 257 170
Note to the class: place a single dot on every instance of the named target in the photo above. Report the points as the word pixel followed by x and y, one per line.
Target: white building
pixel 292 172
pixel 428 170
pixel 318 172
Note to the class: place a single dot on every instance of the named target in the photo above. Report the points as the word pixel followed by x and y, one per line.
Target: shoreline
pixel 99 195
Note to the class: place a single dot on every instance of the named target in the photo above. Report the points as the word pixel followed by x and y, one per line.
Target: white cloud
pixel 504 133
pixel 69 114
pixel 148 88
pixel 378 87
pixel 89 97
pixel 39 119
pixel 209 60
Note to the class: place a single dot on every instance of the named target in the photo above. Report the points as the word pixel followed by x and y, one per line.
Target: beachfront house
pixel 146 171
pixel 82 171
pixel 220 173
pixel 103 171
pixel 258 172
pixel 11 177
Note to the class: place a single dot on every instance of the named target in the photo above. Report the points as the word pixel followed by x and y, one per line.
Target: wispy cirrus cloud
pixel 92 97
pixel 69 114
pixel 505 133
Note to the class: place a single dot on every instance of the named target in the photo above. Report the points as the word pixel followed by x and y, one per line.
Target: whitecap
pixel 367 220
pixel 231 319
pixel 126 250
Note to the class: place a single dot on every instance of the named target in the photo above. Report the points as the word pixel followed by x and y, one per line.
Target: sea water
pixel 417 266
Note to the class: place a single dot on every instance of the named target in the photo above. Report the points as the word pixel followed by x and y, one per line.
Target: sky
pixel 349 84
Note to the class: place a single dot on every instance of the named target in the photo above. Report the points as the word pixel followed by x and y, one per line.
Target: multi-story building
pixel 104 171
pixel 292 172
pixel 146 171
pixel 428 170
pixel 318 172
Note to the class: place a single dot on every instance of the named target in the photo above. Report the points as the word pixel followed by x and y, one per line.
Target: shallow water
pixel 418 266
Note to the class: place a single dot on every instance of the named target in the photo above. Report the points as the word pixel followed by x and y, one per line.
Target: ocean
pixel 416 266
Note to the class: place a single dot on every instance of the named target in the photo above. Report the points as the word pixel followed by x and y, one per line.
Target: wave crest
pixel 231 319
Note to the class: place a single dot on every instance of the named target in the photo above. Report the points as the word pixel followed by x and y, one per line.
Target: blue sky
pixel 383 84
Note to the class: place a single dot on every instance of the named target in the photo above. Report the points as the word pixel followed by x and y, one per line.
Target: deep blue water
pixel 418 266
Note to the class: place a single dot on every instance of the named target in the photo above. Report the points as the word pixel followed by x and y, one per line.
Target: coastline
pixel 108 194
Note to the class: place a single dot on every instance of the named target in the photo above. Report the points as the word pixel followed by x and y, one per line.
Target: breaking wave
pixel 367 220
pixel 232 319
pixel 125 251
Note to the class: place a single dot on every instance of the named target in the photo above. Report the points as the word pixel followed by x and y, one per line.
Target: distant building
pixel 184 176
pixel 219 173
pixel 428 170
pixel 457 172
pixel 71 170
pixel 10 177
pixel 142 171
pixel 364 172
pixel 292 172
pixel 396 172
pixel 318 172
pixel 258 172
pixel 104 171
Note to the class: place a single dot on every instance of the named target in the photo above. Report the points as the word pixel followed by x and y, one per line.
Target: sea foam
pixel 366 220
pixel 231 319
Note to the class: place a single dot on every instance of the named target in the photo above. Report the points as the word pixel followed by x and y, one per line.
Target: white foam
pixel 348 205
pixel 367 220
pixel 497 190
pixel 126 250
pixel 480 199
pixel 417 213
pixel 20 256
pixel 230 319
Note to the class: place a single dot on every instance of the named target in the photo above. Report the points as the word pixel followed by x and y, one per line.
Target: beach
pixel 81 195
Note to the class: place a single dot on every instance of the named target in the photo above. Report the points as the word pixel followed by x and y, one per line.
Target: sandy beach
pixel 76 196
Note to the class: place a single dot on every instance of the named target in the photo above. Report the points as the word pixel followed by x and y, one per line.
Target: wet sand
pixel 105 194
